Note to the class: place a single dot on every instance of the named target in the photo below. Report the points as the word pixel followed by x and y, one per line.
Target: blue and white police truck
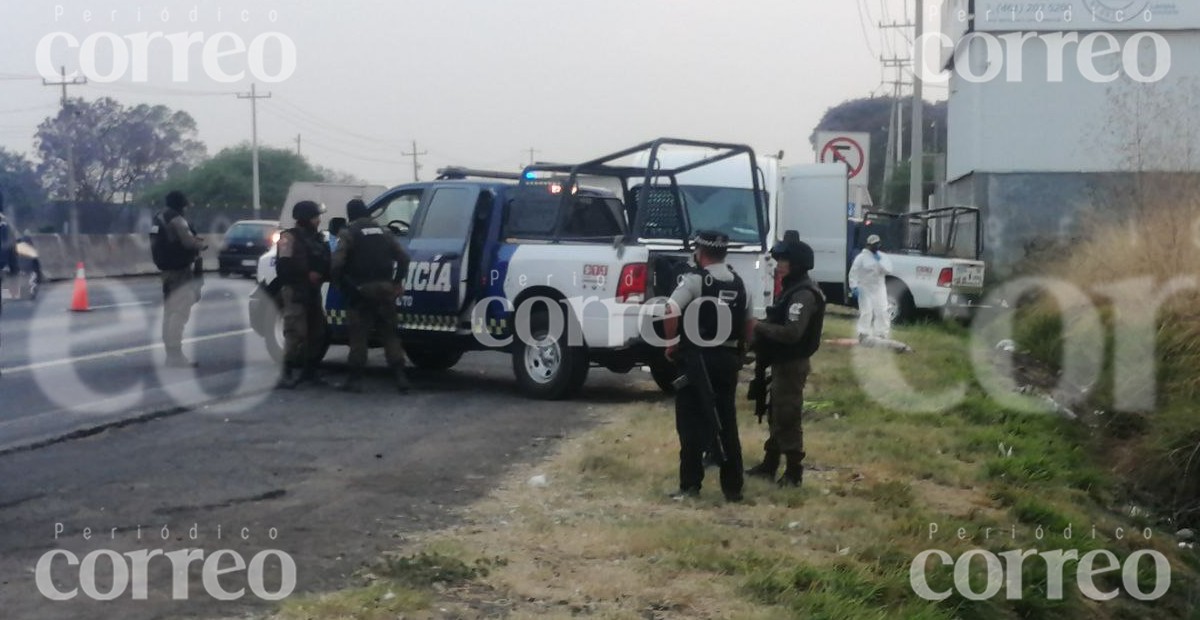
pixel 555 265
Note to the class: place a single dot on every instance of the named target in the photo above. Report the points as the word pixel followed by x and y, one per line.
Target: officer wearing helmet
pixel 303 263
pixel 788 338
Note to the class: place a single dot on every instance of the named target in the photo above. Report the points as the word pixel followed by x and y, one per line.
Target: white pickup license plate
pixel 970 276
pixel 249 263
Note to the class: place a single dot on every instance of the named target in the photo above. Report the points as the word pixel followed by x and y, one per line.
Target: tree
pixel 118 151
pixel 330 175
pixel 226 180
pixel 873 115
pixel 21 187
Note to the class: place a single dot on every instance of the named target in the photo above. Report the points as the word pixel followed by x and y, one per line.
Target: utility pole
pixel 415 160
pixel 895 144
pixel 254 97
pixel 64 83
pixel 297 144
pixel 916 195
pixel 532 156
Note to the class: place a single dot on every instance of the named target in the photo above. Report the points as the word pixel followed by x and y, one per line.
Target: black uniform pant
pixel 696 429
pixel 374 311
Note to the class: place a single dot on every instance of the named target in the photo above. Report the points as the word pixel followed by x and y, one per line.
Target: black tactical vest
pixel 166 248
pixel 311 252
pixel 373 258
pixel 778 314
pixel 717 299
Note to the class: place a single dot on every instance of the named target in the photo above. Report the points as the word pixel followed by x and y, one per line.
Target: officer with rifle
pixel 784 343
pixel 711 300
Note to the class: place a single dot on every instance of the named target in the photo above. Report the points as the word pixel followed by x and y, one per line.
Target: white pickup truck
pixel 498 254
pixel 935 254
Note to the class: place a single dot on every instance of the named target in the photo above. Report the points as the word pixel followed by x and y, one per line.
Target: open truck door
pixel 440 248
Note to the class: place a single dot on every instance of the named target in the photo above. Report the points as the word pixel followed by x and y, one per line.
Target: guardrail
pixel 106 256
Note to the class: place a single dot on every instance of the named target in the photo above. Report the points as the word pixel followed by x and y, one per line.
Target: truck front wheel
pixel 272 324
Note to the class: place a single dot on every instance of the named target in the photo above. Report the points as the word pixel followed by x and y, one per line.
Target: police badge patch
pixel 794 311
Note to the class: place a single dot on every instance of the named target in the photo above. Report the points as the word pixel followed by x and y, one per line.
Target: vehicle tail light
pixel 632 287
pixel 946 277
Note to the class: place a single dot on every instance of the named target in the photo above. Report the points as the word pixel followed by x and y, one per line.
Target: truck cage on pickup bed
pixel 648 210
pixel 948 232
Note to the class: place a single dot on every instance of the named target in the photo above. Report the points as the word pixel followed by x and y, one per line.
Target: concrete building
pixel 1055 115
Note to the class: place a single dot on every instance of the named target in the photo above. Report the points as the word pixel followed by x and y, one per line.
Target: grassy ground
pixel 602 539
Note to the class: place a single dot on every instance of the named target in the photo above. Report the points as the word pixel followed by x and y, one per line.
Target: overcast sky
pixel 475 82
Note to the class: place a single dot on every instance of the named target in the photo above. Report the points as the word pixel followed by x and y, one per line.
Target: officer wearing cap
pixel 369 266
pixel 789 337
pixel 303 264
pixel 712 302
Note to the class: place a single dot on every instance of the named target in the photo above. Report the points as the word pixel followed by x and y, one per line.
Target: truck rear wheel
pixel 664 373
pixel 547 368
pixel 901 308
pixel 427 357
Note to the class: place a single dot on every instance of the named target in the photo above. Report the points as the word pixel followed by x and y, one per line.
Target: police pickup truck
pixel 556 265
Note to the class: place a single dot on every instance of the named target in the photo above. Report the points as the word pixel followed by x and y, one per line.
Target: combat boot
pixel 311 376
pixel 793 474
pixel 289 379
pixel 176 359
pixel 350 385
pixel 401 379
pixel 767 468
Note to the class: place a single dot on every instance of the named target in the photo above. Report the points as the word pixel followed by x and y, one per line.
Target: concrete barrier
pixel 106 256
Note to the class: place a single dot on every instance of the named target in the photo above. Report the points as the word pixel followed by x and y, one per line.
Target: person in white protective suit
pixel 868 283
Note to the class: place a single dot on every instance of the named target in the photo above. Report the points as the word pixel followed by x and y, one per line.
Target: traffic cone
pixel 79 298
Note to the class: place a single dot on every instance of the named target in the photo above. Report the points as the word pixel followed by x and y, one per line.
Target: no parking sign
pixel 851 149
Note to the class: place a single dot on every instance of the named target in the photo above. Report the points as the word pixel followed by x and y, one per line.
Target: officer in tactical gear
pixel 8 247
pixel 303 264
pixel 787 339
pixel 709 353
pixel 176 249
pixel 369 266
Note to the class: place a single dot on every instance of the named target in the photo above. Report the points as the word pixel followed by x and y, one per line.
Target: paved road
pixel 67 371
pixel 337 477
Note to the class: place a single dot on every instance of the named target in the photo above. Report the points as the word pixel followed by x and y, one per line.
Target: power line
pixel 339 129
pixel 162 90
pixel 338 151
pixel 330 134
pixel 23 110
pixel 862 23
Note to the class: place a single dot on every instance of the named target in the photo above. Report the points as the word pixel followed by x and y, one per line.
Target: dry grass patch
pixel 602 539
